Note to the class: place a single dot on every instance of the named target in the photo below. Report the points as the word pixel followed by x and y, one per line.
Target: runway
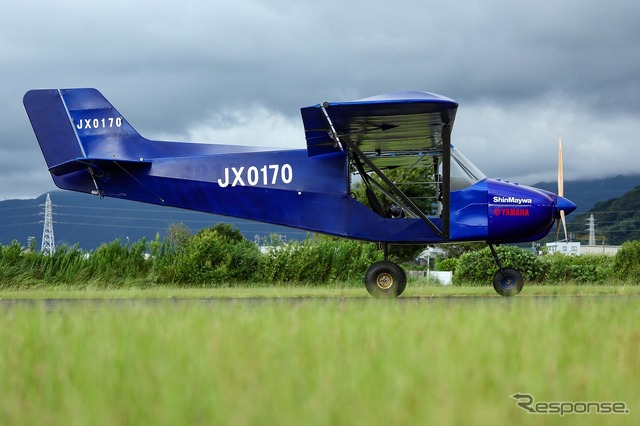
pixel 221 302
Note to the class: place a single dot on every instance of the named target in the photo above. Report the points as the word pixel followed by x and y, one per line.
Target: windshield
pixel 463 172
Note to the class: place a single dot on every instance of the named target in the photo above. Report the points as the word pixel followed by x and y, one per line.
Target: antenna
pixel 48 240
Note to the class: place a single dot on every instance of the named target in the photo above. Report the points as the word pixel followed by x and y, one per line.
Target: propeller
pixel 561 218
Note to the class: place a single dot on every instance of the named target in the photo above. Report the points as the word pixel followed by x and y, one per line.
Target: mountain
pixel 616 220
pixel 586 193
pixel 89 221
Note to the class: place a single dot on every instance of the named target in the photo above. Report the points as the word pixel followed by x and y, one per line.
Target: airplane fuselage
pixel 90 147
pixel 290 188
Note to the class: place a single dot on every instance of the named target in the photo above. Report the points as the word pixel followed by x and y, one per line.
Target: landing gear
pixel 507 282
pixel 385 280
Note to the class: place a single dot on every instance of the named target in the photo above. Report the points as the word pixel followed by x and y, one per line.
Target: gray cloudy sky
pixel 524 73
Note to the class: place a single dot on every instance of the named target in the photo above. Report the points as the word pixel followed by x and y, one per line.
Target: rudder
pixel 51 124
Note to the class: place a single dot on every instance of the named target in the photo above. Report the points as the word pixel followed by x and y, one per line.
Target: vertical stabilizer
pixel 72 124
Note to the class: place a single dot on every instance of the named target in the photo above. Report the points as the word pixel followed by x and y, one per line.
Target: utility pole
pixel 48 240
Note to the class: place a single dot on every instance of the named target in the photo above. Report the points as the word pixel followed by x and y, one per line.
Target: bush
pixel 115 262
pixel 559 268
pixel 11 263
pixel 110 264
pixel 212 256
pixel 480 267
pixel 626 263
pixel 319 259
pixel 448 264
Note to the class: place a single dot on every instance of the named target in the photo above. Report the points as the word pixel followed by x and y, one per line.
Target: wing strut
pixel 332 130
pixel 346 142
pixel 446 174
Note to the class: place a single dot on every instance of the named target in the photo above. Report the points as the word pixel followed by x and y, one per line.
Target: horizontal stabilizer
pixel 81 163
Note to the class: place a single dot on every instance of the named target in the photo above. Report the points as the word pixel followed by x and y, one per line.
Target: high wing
pixel 403 129
pixel 392 130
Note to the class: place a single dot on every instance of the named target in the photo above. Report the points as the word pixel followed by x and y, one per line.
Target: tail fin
pixel 77 126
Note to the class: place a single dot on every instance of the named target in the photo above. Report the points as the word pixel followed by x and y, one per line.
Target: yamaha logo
pixel 511 212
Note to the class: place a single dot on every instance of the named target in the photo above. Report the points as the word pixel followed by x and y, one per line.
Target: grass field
pixel 415 288
pixel 318 357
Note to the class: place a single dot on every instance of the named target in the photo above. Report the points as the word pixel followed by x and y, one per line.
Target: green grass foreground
pixel 321 360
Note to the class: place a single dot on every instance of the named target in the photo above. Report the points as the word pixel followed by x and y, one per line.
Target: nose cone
pixel 564 205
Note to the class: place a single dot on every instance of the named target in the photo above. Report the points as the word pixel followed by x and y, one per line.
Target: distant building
pixel 600 249
pixel 569 249
pixel 576 249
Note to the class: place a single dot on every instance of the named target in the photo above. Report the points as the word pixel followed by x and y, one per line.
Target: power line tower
pixel 592 230
pixel 48 240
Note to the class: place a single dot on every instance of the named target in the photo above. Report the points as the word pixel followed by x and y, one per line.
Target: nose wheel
pixel 507 282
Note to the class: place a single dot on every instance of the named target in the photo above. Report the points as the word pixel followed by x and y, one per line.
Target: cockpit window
pixel 463 172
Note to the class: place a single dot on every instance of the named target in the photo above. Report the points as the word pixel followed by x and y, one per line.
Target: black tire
pixel 508 282
pixel 385 280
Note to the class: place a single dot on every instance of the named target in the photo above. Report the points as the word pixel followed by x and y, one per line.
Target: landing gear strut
pixel 507 282
pixel 385 279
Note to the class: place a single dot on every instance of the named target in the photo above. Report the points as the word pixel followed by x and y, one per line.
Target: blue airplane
pixel 89 147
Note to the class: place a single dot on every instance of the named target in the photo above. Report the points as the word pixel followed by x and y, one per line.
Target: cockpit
pixel 463 172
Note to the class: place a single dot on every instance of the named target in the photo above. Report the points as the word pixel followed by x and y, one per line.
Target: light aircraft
pixel 90 147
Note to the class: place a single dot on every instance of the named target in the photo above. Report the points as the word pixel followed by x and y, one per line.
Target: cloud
pixel 519 141
pixel 253 126
pixel 524 73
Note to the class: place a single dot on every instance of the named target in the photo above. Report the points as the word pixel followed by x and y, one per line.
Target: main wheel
pixel 508 282
pixel 385 280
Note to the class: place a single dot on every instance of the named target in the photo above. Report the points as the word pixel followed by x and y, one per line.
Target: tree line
pixel 212 257
pixel 221 256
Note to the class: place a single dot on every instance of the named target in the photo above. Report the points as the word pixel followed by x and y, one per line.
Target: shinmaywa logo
pixel 511 200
